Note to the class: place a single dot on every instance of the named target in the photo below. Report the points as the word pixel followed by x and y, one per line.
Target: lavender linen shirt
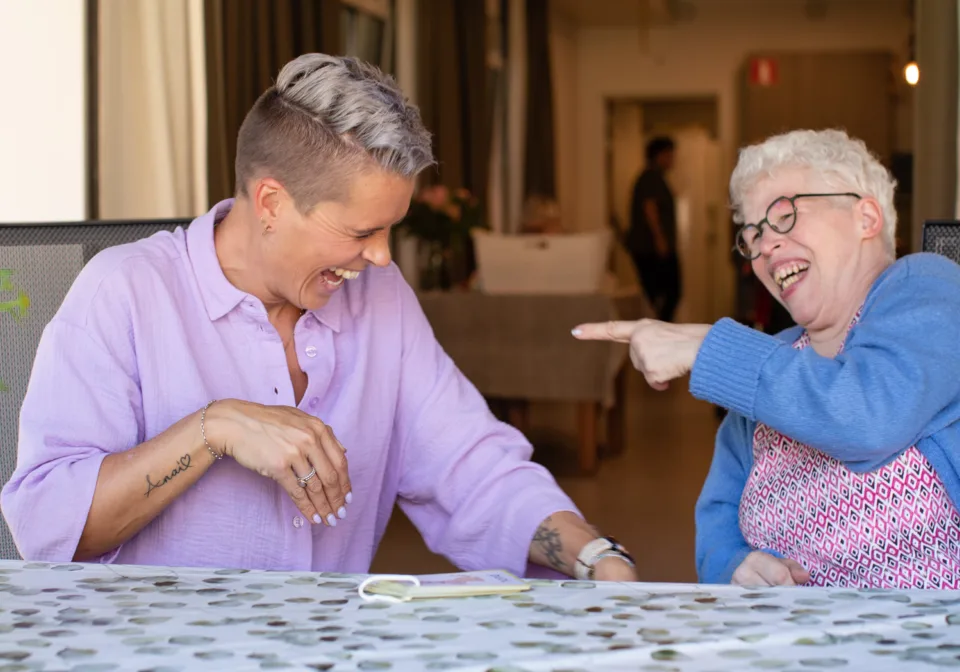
pixel 151 331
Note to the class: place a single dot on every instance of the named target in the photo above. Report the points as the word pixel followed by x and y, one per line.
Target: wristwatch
pixel 596 550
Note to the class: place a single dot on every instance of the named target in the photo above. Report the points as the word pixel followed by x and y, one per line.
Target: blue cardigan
pixel 896 384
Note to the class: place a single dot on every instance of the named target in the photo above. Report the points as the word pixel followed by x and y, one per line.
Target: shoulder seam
pixel 108 274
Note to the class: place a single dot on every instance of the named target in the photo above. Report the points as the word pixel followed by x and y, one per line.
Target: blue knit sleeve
pixel 895 382
pixel 720 546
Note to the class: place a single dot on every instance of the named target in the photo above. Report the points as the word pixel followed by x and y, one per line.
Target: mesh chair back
pixel 38 264
pixel 942 237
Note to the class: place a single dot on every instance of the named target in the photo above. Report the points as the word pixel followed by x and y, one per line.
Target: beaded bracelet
pixel 203 431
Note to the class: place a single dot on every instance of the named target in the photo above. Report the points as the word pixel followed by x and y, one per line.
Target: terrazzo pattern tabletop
pixel 103 617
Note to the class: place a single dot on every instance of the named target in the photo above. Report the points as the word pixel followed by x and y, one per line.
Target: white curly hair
pixel 842 162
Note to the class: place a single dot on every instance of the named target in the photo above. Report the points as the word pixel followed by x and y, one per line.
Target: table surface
pixel 102 617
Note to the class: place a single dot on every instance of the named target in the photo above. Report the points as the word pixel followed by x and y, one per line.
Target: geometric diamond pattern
pixel 895 527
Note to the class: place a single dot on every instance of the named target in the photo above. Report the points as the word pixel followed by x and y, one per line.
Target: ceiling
pixel 606 12
pixel 621 13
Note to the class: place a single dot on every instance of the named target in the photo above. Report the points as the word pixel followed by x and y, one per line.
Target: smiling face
pixel 818 269
pixel 307 258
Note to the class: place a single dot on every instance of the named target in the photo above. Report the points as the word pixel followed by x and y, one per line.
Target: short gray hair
pixel 844 163
pixel 327 118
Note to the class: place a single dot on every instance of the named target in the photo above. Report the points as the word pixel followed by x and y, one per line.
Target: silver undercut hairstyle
pixel 326 119
pixel 842 162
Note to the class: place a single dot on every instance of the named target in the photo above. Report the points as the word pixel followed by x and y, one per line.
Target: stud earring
pixel 266 228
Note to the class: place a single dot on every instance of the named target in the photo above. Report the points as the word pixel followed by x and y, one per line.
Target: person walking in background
pixel 652 238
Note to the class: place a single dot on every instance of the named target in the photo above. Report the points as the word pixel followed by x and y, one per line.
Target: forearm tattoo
pixel 548 540
pixel 182 465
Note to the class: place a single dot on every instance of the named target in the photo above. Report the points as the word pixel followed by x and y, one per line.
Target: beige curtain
pixel 152 109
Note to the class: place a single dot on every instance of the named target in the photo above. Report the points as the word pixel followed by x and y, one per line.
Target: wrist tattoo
pixel 182 465
pixel 548 540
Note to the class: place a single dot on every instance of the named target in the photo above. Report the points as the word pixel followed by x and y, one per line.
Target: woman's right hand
pixel 763 569
pixel 284 443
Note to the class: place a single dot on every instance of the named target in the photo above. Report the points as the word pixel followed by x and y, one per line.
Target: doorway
pixel 698 187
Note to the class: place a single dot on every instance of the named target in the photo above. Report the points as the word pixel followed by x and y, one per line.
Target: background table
pixel 520 348
pixel 120 617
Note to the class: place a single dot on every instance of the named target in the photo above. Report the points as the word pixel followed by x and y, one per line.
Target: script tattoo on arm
pixel 548 539
pixel 182 465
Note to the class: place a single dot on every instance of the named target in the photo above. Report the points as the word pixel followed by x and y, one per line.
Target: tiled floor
pixel 644 497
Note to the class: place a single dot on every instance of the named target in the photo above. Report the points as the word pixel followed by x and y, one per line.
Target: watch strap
pixel 595 551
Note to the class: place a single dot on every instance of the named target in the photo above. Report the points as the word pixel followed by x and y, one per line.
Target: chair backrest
pixel 38 264
pixel 942 236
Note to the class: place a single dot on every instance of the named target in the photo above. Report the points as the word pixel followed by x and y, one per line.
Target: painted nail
pixel 342 513
pixel 317 519
pixel 349 498
pixel 576 332
pixel 332 520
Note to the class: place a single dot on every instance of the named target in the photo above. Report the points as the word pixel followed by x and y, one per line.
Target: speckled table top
pixel 102 617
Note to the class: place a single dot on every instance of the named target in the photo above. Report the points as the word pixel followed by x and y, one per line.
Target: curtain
pixel 515 111
pixel 452 83
pixel 248 42
pixel 151 138
pixel 539 169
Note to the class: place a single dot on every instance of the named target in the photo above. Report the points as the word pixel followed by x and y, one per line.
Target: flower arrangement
pixel 440 215
pixel 441 220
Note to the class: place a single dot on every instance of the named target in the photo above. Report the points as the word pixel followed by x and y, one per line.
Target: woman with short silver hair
pixel 839 462
pixel 194 400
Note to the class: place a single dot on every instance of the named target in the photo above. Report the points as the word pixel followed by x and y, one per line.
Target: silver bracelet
pixel 203 431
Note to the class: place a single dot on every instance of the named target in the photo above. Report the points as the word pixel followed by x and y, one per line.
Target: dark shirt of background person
pixel 652 238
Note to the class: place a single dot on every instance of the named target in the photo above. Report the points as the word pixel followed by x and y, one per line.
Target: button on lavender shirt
pixel 152 331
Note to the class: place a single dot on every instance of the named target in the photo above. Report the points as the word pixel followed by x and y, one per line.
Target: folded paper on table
pixel 403 588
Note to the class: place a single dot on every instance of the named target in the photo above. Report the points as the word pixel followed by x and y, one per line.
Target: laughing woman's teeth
pixel 345 274
pixel 788 275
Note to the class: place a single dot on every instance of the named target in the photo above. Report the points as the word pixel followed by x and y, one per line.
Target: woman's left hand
pixel 661 351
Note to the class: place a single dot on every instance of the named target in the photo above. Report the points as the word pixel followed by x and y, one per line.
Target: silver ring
pixel 303 481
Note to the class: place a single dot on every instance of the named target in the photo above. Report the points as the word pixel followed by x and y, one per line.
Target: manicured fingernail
pixel 331 520
pixel 317 519
pixel 342 513
pixel 349 498
pixel 576 332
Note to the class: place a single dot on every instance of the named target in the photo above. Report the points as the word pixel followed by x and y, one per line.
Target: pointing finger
pixel 605 331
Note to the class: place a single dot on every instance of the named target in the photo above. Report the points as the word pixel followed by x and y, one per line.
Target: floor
pixel 644 497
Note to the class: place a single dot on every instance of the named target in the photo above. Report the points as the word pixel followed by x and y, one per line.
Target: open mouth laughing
pixel 790 274
pixel 335 276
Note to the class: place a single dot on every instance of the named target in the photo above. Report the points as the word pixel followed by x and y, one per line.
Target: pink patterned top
pixel 895 527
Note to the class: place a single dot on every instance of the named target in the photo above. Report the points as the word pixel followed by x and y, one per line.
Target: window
pixel 366 30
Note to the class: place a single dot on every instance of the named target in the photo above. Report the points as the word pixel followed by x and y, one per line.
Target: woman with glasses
pixel 839 462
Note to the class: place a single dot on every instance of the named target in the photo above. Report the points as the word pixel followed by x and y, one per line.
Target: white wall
pixel 43 115
pixel 703 57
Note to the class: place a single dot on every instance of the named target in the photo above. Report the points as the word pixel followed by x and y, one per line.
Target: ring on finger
pixel 303 481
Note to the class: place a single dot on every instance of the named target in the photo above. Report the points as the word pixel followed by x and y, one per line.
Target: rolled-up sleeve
pixel 466 481
pixel 82 404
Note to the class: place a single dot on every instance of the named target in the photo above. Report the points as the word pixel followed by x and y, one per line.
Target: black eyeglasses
pixel 781 216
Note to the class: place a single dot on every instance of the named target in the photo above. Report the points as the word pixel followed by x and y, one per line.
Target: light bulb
pixel 912 73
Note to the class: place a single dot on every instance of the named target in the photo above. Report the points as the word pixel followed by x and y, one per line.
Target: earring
pixel 266 228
